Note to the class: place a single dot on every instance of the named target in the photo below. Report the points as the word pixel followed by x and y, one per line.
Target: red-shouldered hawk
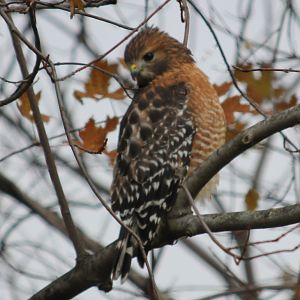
pixel 174 122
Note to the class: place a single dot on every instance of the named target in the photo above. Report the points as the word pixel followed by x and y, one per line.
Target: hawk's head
pixel 152 52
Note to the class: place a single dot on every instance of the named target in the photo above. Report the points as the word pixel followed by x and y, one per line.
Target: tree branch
pixel 95 270
pixel 26 83
pixel 45 142
pixel 55 221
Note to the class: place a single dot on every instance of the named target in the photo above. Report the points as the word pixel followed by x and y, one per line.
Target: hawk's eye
pixel 148 56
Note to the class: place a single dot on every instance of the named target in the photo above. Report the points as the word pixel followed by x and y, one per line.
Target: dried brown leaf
pixel 93 138
pixel 75 4
pixel 251 199
pixel 232 105
pixel 223 88
pixel 25 109
pixel 97 85
pixel 283 105
pixel 261 88
pixel 234 129
pixel 297 292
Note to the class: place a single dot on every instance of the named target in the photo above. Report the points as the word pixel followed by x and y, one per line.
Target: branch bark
pixel 96 269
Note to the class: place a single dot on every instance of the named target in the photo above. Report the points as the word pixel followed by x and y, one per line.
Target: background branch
pixel 46 148
pixel 189 225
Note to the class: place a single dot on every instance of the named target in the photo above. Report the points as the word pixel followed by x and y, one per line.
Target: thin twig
pixel 269 241
pixel 44 140
pixel 37 143
pixel 185 18
pixel 280 29
pixel 236 257
pixel 85 14
pixel 26 82
pixel 273 252
pixel 19 151
pixel 109 74
pixel 248 289
pixel 17 32
pixel 250 101
pixel 214 263
pixel 116 45
pixel 289 70
pixel 21 7
pixel 245 19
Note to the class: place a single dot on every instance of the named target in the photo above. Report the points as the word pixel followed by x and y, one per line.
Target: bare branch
pixel 46 147
pixel 185 18
pixel 95 270
pixel 30 78
pixel 118 44
pixel 187 224
pixel 289 70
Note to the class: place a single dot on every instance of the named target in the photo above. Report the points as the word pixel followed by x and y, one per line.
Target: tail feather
pixel 125 247
pixel 123 259
pixel 126 262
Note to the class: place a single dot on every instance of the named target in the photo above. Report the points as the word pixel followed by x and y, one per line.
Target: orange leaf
pixel 231 105
pixel 283 105
pixel 117 94
pixel 233 130
pixel 94 138
pixel 223 88
pixel 111 124
pixel 251 199
pixel 297 292
pixel 98 83
pixel 241 75
pixel 25 109
pixel 75 4
pixel 261 88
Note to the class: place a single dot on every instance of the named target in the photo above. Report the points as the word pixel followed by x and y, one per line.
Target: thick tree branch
pixel 95 270
pixel 189 225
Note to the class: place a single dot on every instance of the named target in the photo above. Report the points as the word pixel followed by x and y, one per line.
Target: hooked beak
pixel 134 70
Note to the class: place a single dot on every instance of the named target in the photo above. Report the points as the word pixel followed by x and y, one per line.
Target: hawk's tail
pixel 123 259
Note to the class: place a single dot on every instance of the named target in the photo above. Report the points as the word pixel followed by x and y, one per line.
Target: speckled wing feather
pixel 154 150
pixel 153 155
